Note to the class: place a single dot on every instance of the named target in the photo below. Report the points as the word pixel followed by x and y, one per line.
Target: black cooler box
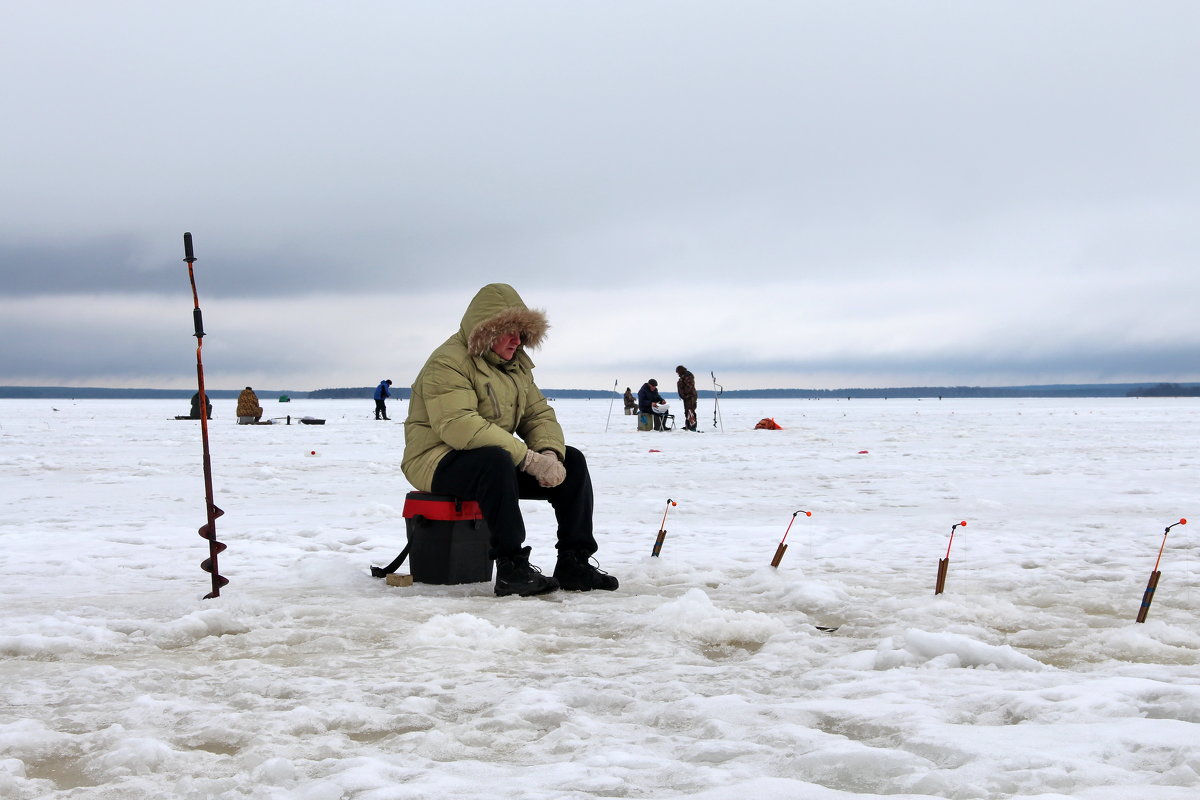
pixel 447 539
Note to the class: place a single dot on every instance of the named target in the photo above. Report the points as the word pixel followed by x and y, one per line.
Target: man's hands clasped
pixel 545 467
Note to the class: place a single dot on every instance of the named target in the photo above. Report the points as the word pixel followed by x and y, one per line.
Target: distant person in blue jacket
pixel 382 394
pixel 652 403
pixel 648 396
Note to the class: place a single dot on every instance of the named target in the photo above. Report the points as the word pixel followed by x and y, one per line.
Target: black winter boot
pixel 515 575
pixel 576 572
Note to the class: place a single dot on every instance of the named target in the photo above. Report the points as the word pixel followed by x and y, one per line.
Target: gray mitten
pixel 545 467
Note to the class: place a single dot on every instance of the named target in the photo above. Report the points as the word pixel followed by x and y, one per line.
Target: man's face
pixel 506 345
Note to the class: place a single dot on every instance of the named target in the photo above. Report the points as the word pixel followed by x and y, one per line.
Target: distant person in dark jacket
pixel 630 401
pixel 651 402
pixel 195 413
pixel 647 396
pixel 686 386
pixel 381 395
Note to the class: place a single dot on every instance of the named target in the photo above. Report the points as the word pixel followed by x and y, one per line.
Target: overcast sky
pixel 790 194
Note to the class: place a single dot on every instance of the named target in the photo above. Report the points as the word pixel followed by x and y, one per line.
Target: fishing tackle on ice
pixel 1152 584
pixel 782 548
pixel 944 563
pixel 662 529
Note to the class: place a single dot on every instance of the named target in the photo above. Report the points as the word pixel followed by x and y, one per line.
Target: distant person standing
pixel 686 387
pixel 248 409
pixel 382 393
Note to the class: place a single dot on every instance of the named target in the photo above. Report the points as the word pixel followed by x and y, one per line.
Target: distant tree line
pixel 104 393
pixel 356 393
pixel 404 393
pixel 1166 390
pixel 938 392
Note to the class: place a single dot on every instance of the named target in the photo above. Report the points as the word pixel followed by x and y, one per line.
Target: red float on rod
pixel 1152 584
pixel 779 551
pixel 944 564
pixel 662 529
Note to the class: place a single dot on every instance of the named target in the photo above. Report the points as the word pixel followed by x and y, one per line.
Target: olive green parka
pixel 467 397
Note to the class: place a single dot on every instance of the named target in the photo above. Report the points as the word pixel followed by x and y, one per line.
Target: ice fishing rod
pixel 1152 584
pixel 610 404
pixel 662 529
pixel 779 551
pixel 718 390
pixel 209 529
pixel 944 563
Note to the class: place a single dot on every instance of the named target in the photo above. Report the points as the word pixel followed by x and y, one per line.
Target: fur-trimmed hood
pixel 497 309
pixel 466 397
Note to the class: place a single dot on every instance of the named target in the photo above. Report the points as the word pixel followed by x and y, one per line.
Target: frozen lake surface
pixel 704 676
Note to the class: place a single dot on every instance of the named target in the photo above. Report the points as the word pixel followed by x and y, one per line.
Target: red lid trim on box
pixel 440 507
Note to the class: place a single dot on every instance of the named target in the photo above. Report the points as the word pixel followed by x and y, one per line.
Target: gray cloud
pixel 987 162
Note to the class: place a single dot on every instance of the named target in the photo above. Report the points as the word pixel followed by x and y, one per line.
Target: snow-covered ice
pixel 704 676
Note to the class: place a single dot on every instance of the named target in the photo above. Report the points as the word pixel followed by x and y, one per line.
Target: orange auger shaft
pixel 944 563
pixel 1152 584
pixel 662 529
pixel 782 548
pixel 209 529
